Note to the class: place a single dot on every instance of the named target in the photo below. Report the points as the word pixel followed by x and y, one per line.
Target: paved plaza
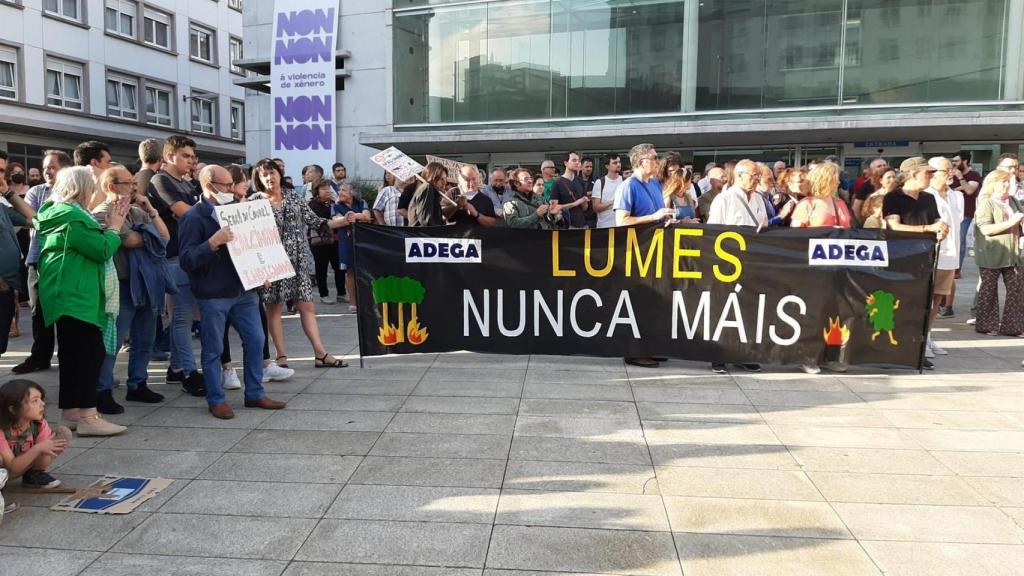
pixel 471 464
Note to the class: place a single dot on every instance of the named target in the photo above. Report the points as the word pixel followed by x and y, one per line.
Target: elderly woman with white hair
pixel 76 284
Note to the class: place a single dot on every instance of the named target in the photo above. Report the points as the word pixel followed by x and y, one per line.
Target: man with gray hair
pixel 473 207
pixel 951 210
pixel 499 191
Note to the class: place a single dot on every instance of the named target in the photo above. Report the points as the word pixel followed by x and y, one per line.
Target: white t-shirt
pixel 733 208
pixel 606 193
pixel 951 210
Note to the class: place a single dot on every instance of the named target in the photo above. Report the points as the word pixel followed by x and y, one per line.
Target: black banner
pixel 714 293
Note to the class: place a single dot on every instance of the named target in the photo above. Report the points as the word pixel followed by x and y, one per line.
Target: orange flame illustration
pixel 417 335
pixel 389 335
pixel 837 334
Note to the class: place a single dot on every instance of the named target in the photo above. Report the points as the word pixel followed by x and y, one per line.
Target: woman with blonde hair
pixel 871 210
pixel 78 292
pixel 821 207
pixel 677 187
pixel 997 232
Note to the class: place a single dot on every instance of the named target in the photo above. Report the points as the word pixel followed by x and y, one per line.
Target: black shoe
pixel 719 369
pixel 946 312
pixel 142 393
pixel 28 366
pixel 175 376
pixel 194 385
pixel 105 403
pixel 39 479
pixel 749 367
pixel 928 364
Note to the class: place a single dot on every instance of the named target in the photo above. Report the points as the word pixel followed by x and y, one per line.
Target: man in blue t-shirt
pixel 639 200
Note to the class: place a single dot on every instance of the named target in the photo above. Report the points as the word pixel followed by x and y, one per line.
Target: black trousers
pixel 324 256
pixel 81 356
pixel 42 335
pixel 7 308
pixel 225 356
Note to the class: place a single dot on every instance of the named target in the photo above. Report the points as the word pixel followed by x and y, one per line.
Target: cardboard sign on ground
pixel 113 495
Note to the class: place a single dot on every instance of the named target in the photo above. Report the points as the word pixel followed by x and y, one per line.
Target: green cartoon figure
pixel 881 308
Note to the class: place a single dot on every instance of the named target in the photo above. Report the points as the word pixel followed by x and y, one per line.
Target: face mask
pixel 224 197
pixel 18 178
pixel 35 182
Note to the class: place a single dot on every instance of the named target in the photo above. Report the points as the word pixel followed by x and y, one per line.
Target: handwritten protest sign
pixel 256 250
pixel 453 167
pixel 395 161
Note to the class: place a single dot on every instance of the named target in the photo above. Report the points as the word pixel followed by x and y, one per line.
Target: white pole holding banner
pixel 303 104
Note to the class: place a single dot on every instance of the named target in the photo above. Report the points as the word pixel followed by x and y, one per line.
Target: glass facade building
pixel 480 62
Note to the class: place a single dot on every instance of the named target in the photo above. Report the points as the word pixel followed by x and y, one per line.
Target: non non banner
pixel 256 251
pixel 713 293
pixel 303 106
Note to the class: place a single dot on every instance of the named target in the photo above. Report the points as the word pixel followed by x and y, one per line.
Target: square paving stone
pixel 299 468
pixel 43 528
pixel 347 402
pixel 946 559
pixel 578 364
pixel 537 375
pixel 581 477
pixel 405 471
pixel 606 429
pixel 218 536
pixel 736 483
pixel 688 394
pixel 268 499
pixel 611 392
pixel 754 517
pixel 482 386
pixel 420 543
pixel 844 437
pixel 950 420
pixel 918 523
pixel 804 398
pixel 488 374
pixel 577 408
pixel 416 504
pixel 983 464
pixel 669 433
pixel 442 445
pixel 578 450
pixel 868 460
pixel 731 555
pixel 999 491
pixel 147 463
pixel 452 423
pixel 824 416
pixel 113 564
pixel 460 405
pixel 754 456
pixel 322 420
pixel 381 385
pixel 307 442
pixel 39 562
pixel 582 510
pixel 969 440
pixel 181 439
pixel 583 550
pixel 169 416
pixel 895 489
pixel 729 413
pixel 334 569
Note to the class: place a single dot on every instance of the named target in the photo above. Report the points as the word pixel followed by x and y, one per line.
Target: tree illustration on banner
pixel 399 291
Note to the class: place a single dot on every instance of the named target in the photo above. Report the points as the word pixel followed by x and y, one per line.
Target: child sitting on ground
pixel 29 446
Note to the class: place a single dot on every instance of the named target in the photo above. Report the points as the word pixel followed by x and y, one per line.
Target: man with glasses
pixel 172 196
pixel 138 308
pixel 951 209
pixel 740 205
pixel 473 207
pixel 527 210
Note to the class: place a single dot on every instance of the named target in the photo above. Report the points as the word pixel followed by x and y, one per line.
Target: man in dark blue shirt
pixel 221 296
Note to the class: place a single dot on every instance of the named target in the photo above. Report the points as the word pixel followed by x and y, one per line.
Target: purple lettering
pixel 305 23
pixel 303 109
pixel 303 51
pixel 304 137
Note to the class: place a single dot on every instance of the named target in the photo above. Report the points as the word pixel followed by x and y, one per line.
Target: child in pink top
pixel 28 446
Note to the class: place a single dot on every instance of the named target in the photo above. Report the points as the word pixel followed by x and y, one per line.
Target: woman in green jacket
pixel 997 232
pixel 72 278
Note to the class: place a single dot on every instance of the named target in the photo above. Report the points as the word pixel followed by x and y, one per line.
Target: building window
pixel 64 84
pixel 121 98
pixel 157 29
pixel 203 114
pixel 235 5
pixel 120 17
pixel 64 8
pixel 158 105
pixel 235 48
pixel 8 73
pixel 200 43
pixel 237 120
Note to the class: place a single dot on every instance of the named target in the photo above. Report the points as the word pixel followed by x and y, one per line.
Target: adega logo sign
pixel 864 253
pixel 447 250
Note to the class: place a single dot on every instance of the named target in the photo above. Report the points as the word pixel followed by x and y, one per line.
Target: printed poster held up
pixel 454 168
pixel 398 163
pixel 257 250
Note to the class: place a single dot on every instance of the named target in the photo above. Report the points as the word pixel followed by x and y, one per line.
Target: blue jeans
pixel 965 227
pixel 184 304
pixel 244 314
pixel 140 324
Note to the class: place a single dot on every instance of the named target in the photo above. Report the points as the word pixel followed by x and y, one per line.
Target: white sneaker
pixel 327 300
pixel 229 380
pixel 970 321
pixel 936 349
pixel 274 373
pixel 928 352
pixel 811 369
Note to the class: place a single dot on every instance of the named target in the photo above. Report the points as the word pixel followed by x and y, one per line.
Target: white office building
pixel 120 71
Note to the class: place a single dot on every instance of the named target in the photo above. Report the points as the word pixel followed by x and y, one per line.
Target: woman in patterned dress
pixel 293 217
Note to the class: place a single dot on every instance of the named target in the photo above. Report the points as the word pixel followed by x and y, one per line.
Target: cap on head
pixel 914 164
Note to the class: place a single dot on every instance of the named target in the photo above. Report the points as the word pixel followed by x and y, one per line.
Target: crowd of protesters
pixel 101 252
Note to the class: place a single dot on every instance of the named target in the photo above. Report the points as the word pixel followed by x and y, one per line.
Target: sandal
pixel 323 363
pixel 277 361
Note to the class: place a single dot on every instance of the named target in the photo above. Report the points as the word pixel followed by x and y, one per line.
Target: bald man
pixel 221 296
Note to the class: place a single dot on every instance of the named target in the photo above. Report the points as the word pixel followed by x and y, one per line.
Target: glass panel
pixel 162 35
pixel 193 40
pixel 923 51
pixel 113 97
pixel 148 26
pixel 7 74
pixel 71 9
pixel 164 103
pixel 110 19
pixel 128 102
pixel 150 101
pixel 127 24
pixel 517 78
pixel 53 87
pixel 72 87
pixel 51 5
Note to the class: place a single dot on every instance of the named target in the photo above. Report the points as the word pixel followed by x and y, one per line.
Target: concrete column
pixel 691 38
pixel 1013 54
